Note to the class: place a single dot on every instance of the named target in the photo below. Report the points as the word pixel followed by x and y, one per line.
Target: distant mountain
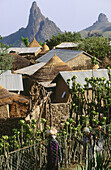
pixel 38 25
pixel 101 27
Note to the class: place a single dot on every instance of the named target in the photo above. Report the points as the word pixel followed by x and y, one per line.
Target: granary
pixel 18 61
pixel 26 75
pixel 12 104
pixel 62 94
pixel 77 60
pixel 67 45
pixel 11 82
pixel 49 71
pixel 45 49
pixel 34 43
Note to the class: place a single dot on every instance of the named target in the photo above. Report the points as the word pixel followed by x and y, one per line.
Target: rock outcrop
pixel 38 25
pixel 100 24
pixel 102 27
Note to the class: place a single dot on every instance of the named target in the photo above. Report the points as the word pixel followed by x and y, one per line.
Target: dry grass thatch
pixel 8 97
pixel 106 62
pixel 49 71
pixel 45 48
pixel 19 61
pixel 34 43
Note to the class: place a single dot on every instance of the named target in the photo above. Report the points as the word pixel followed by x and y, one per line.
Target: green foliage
pixel 99 101
pixel 27 135
pixel 96 46
pixel 68 138
pixel 25 41
pixel 6 62
pixel 65 37
pixel 41 43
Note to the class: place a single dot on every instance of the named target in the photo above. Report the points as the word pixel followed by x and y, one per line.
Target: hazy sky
pixel 68 15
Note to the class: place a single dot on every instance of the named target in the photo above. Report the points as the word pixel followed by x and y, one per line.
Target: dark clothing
pixel 53 154
pixel 87 139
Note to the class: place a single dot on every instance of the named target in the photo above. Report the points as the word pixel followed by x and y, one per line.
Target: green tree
pixel 25 41
pixel 41 43
pixel 96 46
pixel 65 37
pixel 6 61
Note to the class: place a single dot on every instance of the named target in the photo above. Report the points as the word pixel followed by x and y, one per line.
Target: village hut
pixel 49 71
pixel 77 60
pixel 12 104
pixel 34 43
pixel 19 61
pixel 45 48
pixel 62 93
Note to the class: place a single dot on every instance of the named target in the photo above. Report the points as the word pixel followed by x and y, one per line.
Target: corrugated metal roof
pixel 8 72
pixel 67 45
pixel 30 70
pixel 81 75
pixel 63 54
pixel 11 82
pixel 21 50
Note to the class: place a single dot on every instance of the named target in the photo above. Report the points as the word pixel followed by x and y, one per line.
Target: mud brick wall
pixel 60 113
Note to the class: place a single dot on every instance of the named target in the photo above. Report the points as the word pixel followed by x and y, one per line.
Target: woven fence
pixel 34 157
pixel 28 158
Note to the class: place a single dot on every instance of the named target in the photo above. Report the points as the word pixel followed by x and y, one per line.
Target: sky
pixel 68 15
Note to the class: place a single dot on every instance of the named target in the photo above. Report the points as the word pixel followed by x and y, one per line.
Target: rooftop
pixel 30 69
pixel 23 50
pixel 63 54
pixel 67 45
pixel 81 75
pixel 11 82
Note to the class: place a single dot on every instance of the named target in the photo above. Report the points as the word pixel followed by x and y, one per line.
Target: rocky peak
pixel 102 18
pixel 38 26
pixel 35 18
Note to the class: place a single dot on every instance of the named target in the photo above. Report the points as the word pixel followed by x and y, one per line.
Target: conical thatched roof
pixel 34 43
pixel 49 71
pixel 7 97
pixel 45 48
pixel 19 61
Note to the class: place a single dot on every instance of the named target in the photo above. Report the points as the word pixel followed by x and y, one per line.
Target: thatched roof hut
pixel 12 105
pixel 45 48
pixel 34 43
pixel 19 61
pixel 49 71
pixel 8 97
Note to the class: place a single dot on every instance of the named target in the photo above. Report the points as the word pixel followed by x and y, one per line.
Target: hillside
pixel 38 25
pixel 102 27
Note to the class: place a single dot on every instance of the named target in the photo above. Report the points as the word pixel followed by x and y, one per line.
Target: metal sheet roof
pixel 25 50
pixel 81 75
pixel 30 70
pixel 3 72
pixel 63 54
pixel 67 45
pixel 11 82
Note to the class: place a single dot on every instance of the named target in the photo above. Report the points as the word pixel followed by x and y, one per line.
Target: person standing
pixel 87 138
pixel 53 150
